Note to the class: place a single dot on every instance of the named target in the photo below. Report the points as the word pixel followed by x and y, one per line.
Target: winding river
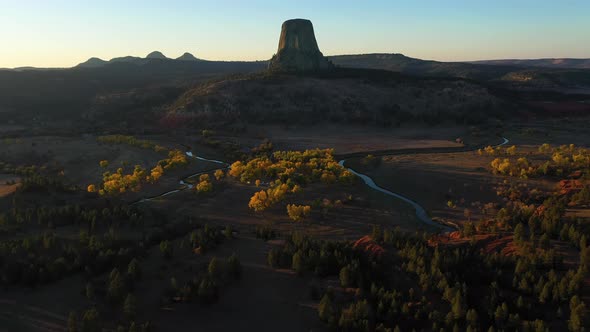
pixel 185 185
pixel 421 214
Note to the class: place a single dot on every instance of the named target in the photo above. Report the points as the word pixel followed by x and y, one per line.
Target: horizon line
pixel 332 55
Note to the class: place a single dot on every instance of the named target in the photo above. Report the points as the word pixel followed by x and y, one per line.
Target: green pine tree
pixel 130 306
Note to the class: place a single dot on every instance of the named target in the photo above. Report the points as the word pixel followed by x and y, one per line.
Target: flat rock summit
pixel 298 49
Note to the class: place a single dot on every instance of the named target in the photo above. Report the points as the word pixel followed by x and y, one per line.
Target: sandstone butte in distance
pixel 298 49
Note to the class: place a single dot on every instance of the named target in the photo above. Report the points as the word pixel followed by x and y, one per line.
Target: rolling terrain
pixel 359 193
pixel 123 88
pixel 371 97
pixel 507 74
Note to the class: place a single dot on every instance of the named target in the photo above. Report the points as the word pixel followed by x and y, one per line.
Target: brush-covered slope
pixel 546 63
pixel 346 96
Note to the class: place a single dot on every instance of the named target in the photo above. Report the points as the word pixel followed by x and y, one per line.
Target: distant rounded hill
pixel 93 62
pixel 156 55
pixel 187 57
pixel 153 56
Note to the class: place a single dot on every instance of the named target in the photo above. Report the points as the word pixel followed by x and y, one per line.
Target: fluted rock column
pixel 298 49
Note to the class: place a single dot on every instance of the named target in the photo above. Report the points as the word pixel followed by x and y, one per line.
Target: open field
pixel 347 139
pixel 433 180
pixel 361 209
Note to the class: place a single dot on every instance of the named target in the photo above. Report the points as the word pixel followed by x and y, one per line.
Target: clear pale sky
pixel 57 33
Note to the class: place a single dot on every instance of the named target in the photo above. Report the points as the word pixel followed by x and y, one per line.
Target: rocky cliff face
pixel 298 49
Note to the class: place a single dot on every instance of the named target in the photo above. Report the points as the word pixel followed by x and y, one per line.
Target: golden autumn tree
pixel 219 174
pixel 298 212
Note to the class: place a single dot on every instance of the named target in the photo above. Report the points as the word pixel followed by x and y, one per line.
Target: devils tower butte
pixel 298 49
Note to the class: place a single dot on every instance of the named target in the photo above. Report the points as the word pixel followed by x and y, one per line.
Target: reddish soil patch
pixel 567 187
pixel 8 184
pixel 489 243
pixel 368 245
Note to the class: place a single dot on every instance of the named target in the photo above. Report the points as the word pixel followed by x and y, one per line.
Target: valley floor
pixel 451 187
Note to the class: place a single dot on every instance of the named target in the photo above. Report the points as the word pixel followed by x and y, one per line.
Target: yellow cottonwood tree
pixel 298 212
